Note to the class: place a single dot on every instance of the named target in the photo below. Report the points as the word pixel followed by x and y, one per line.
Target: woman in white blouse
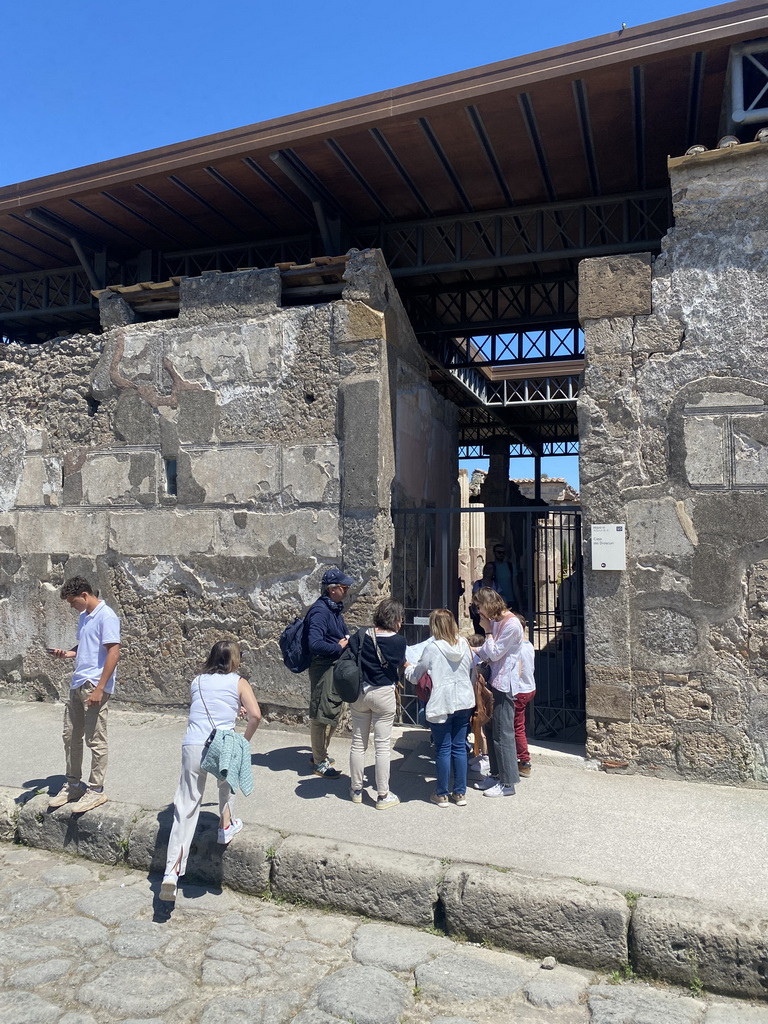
pixel 502 648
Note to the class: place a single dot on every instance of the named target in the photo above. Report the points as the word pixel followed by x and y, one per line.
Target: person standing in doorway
pixel 525 690
pixel 505 578
pixel 93 683
pixel 327 636
pixel 502 648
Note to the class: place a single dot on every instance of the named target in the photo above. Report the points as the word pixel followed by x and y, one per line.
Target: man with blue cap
pixel 327 636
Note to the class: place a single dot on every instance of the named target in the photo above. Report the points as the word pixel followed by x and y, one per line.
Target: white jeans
pixel 186 807
pixel 375 708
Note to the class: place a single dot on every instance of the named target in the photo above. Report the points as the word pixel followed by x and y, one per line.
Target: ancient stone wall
pixel 203 471
pixel 673 424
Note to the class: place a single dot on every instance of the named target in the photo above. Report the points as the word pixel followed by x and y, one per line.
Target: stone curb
pixel 674 940
pixel 690 943
pixel 584 925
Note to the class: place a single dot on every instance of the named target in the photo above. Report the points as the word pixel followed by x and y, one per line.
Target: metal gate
pixel 543 545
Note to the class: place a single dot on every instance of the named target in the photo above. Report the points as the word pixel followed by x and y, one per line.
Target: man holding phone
pixel 93 682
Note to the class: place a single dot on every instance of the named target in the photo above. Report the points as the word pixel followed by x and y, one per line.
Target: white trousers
pixel 186 807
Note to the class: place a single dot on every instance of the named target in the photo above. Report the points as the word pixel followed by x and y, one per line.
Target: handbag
pixel 423 688
pixel 348 670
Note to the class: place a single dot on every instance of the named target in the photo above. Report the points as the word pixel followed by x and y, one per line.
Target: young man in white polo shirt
pixel 93 682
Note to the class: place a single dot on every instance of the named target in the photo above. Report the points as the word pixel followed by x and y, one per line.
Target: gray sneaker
pixel 487 783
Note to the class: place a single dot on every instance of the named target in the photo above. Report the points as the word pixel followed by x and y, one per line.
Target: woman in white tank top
pixel 217 695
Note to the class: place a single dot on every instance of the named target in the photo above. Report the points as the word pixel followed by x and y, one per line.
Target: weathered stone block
pixel 40 481
pixel 356 321
pixel 682 940
pixel 161 532
pixel 72 532
pixel 245 865
pixel 284 537
pixel 311 473
pixel 9 811
pixel 99 835
pixel 114 311
pixel 360 444
pixel 613 286
pixel 238 474
pixel 682 703
pixel 585 925
pixel 213 297
pixel 656 527
pixel 366 279
pixel 399 887
pixel 119 479
pixel 610 703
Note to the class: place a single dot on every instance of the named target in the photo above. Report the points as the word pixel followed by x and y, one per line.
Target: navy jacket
pixel 325 627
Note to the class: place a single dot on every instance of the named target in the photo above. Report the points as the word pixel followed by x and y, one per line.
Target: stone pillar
pixel 673 421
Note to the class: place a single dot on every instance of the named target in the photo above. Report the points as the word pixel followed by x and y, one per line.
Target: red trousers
pixel 522 700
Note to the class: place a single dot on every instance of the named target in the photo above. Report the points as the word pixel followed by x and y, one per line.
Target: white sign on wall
pixel 608 546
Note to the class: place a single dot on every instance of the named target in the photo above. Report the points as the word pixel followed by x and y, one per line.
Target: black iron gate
pixel 435 566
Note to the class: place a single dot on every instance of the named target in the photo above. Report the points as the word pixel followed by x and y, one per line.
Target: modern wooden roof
pixel 483 188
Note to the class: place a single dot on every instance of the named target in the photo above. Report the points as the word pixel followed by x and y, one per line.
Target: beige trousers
pixel 89 723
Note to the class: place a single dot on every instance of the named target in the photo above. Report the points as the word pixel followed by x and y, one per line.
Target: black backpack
pixel 348 670
pixel 294 646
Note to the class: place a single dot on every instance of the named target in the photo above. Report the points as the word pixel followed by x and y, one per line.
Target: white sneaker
pixel 168 888
pixel 384 802
pixel 487 783
pixel 226 835
pixel 499 790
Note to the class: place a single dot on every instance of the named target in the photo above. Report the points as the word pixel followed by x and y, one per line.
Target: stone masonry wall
pixel 674 442
pixel 281 424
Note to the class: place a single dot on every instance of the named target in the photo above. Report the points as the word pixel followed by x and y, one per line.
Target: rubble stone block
pixel 585 925
pixel 615 286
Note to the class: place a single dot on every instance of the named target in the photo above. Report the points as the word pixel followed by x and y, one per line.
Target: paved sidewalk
pixel 648 836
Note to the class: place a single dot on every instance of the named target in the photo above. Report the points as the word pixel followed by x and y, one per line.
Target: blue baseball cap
pixel 336 578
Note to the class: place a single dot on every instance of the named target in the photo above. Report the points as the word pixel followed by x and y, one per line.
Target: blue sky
pixel 89 80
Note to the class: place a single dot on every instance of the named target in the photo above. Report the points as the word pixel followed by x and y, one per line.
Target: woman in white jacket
pixel 448 660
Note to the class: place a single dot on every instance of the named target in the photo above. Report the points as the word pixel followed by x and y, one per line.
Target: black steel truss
pixel 23 296
pixel 518 450
pixel 192 263
pixel 561 344
pixel 634 222
pixel 483 307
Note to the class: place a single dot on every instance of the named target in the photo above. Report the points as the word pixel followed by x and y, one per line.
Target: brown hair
pixel 443 626
pixel 74 587
pixel 223 659
pixel 388 614
pixel 475 640
pixel 490 603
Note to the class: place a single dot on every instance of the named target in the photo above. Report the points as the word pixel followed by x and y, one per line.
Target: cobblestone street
pixel 83 943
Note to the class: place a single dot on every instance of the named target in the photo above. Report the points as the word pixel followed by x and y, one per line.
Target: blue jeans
pixel 450 739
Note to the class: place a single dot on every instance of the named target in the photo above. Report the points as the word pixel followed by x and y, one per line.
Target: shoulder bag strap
pixel 371 631
pixel 202 698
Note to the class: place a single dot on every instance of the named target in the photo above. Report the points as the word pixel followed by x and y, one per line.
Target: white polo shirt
pixel 101 627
